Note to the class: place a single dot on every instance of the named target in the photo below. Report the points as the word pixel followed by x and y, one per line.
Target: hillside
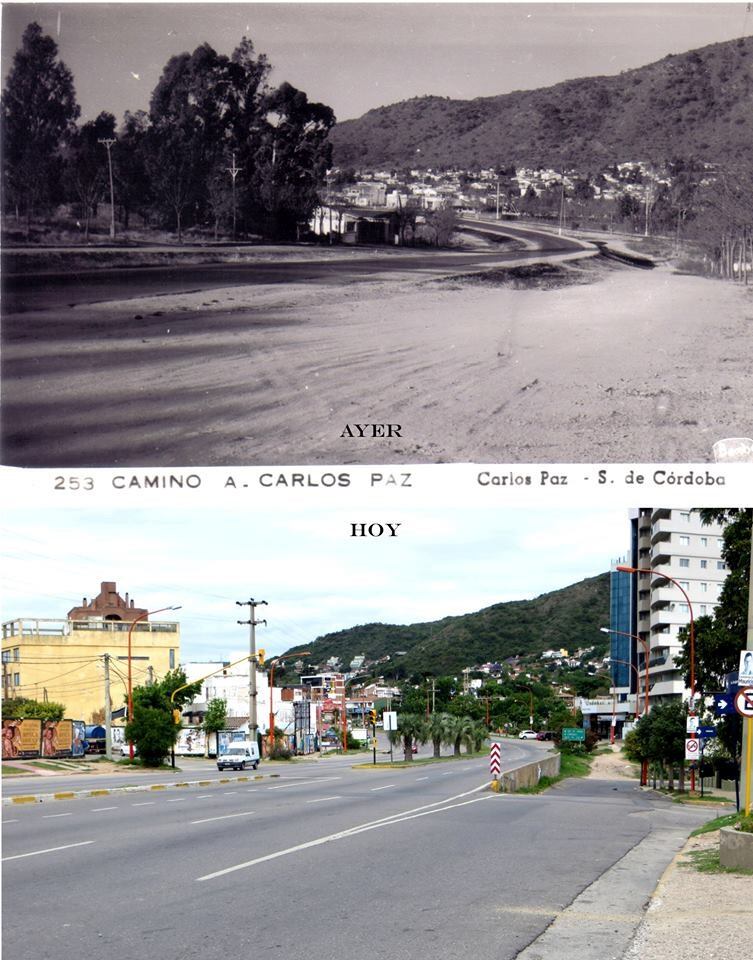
pixel 698 103
pixel 568 618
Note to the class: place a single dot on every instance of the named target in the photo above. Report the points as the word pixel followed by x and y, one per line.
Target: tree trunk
pixel 670 777
pixel 681 778
pixel 408 749
pixel 456 750
pixel 437 749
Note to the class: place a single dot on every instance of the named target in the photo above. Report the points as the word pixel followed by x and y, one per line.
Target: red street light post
pixel 634 636
pixel 664 576
pixel 141 616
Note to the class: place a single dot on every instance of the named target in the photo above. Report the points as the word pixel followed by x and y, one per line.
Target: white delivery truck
pixel 239 755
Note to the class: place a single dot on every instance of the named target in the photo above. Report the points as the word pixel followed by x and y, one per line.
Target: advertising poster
pixel 57 738
pixel 21 738
pixel 191 742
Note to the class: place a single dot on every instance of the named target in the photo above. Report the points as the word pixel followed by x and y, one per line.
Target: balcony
pixel 661 531
pixel 34 628
pixel 660 553
pixel 661 513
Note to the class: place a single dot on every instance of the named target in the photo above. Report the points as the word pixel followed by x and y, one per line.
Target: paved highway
pixel 47 291
pixel 321 863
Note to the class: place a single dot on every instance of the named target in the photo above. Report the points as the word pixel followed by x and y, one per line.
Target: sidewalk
pixel 690 914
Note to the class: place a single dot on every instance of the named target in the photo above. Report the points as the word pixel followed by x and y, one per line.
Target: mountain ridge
pixel 697 103
pixel 568 617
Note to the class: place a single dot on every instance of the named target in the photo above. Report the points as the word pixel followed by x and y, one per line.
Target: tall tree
pixel 153 728
pixel 39 111
pixel 292 159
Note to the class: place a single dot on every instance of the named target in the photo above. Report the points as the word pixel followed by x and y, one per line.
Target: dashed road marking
pixel 228 816
pixel 36 853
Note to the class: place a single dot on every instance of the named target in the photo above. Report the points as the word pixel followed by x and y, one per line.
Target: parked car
pixel 527 735
pixel 545 735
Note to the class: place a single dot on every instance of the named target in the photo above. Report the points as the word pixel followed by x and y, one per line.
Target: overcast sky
pixel 354 57
pixel 314 578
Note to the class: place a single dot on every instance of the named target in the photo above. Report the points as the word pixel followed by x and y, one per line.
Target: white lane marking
pixel 176 800
pixel 204 796
pixel 144 803
pixel 52 816
pixel 344 834
pixel 447 773
pixel 385 787
pixel 228 816
pixel 36 853
pixel 16 821
pixel 229 793
pixel 300 783
pixel 421 778
pixel 322 799
pixel 101 809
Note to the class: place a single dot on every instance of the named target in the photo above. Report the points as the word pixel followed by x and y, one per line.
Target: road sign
pixel 724 704
pixel 573 733
pixel 691 725
pixel 389 720
pixel 706 733
pixel 494 761
pixel 744 702
pixel 692 748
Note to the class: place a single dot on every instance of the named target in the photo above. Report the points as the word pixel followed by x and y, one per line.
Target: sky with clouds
pixel 355 56
pixel 314 577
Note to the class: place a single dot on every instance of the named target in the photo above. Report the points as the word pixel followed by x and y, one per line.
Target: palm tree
pixel 413 726
pixel 439 731
pixel 459 732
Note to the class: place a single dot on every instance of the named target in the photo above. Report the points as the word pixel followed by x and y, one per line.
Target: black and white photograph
pixel 376 233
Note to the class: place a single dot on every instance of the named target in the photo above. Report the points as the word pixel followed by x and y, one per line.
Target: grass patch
pixel 42 765
pixel 728 820
pixel 13 771
pixel 707 861
pixel 571 765
pixel 418 761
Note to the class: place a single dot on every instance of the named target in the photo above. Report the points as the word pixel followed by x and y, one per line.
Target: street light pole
pixel 691 634
pixel 141 616
pixel 634 636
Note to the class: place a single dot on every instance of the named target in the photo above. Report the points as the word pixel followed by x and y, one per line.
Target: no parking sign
pixel 692 748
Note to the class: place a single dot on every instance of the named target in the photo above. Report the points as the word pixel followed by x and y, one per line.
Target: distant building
pixel 63 660
pixel 355 226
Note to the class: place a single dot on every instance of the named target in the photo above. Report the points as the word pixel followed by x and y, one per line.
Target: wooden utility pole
pixel 234 171
pixel 108 143
pixel 108 709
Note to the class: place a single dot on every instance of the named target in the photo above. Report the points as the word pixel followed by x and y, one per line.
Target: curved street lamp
pixel 664 576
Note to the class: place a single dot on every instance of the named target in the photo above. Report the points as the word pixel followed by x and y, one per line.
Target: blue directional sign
pixel 724 704
pixel 706 733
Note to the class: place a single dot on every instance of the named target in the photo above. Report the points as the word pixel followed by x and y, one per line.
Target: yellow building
pixel 67 661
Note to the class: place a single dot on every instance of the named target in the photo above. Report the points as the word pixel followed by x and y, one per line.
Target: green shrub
pixel 746 823
pixel 280 753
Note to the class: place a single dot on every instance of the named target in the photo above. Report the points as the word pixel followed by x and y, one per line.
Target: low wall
pixel 735 849
pixel 529 774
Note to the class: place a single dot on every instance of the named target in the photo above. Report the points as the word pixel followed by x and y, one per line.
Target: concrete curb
pixel 136 788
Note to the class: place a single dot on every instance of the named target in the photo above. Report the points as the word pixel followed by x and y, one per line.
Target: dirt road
pixel 622 365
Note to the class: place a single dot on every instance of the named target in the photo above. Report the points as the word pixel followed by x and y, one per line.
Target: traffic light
pixel 260 657
pixel 372 717
pixel 177 716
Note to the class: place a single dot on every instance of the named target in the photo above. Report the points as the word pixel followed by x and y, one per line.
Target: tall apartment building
pixel 668 543
pixel 63 660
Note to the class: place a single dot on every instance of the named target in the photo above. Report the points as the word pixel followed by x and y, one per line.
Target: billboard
pixel 57 738
pixel 191 742
pixel 21 738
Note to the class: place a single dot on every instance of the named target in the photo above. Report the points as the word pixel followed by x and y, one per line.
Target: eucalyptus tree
pixel 39 112
pixel 85 172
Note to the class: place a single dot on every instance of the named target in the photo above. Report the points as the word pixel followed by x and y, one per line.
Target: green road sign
pixel 573 733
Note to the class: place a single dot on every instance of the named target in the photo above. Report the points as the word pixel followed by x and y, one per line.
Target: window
pixel 17 654
pixel 16 679
pixel 684 562
pixel 703 609
pixel 172 659
pixel 683 607
pixel 684 540
pixel 704 587
pixel 684 516
pixel 704 564
pixel 685 584
pixel 721 565
pixel 704 541
pixel 719 542
pixel 6 656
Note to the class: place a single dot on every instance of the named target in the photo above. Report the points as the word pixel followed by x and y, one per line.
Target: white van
pixel 239 755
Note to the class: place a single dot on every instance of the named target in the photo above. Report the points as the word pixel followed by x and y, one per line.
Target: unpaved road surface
pixel 621 365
